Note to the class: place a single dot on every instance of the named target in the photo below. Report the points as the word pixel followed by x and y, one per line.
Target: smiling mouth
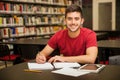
pixel 73 26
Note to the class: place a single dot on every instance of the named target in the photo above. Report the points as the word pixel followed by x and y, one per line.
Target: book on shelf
pixel 47 30
pixel 44 20
pixel 62 10
pixel 16 8
pixel 30 8
pixel 2 8
pixel 4 33
pixel 37 31
pixel 38 20
pixel 30 20
pixel 26 31
pixel 11 21
pixel 44 30
pixel 12 32
pixel 67 2
pixel 19 14
pixel 1 21
pixel 7 7
pixel 33 20
pixel 22 31
pixel 26 0
pixel 4 21
pixel 56 28
pixel 32 31
pixel 19 31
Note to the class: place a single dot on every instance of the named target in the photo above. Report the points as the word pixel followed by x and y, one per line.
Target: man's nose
pixel 73 21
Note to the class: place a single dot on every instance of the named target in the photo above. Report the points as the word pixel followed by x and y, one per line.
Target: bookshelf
pixel 31 18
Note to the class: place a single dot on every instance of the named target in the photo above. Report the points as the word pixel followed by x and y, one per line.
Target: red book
pixel 2 6
pixel 7 6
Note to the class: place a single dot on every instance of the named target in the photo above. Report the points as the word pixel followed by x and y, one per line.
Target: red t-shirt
pixel 73 46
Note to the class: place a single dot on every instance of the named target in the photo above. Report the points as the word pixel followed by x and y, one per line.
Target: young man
pixel 76 44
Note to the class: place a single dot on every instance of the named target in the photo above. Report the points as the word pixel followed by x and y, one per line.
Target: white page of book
pixel 36 66
pixel 66 64
pixel 70 72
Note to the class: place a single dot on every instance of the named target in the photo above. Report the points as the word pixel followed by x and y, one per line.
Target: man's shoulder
pixel 87 30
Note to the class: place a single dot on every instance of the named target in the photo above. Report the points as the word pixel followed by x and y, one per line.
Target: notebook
pixel 70 72
pixel 47 65
pixel 36 66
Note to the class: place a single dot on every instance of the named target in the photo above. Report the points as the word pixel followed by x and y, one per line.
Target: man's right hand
pixel 40 58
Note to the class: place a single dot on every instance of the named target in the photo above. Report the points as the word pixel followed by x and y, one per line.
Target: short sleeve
pixel 91 39
pixel 53 41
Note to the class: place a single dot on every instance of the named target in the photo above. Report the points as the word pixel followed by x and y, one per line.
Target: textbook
pixel 65 64
pixel 47 65
pixel 68 71
pixel 36 66
pixel 95 68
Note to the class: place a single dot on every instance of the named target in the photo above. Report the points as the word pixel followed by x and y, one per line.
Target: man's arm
pixel 90 57
pixel 41 56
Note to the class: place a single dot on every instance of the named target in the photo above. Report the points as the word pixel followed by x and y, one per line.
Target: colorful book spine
pixel 4 33
pixel 2 8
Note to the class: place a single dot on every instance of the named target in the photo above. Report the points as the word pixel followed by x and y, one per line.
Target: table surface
pixel 39 41
pixel 109 44
pixel 110 72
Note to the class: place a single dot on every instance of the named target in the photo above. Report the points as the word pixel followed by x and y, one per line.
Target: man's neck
pixel 74 34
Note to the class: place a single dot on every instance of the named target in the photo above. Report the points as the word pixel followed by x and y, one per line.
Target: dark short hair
pixel 73 8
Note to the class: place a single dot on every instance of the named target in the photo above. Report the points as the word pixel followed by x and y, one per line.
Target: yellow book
pixel 1 21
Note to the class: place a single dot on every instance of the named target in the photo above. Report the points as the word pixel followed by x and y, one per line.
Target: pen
pixel 28 70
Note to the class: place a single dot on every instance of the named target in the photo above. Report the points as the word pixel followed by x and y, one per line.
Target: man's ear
pixel 82 21
pixel 64 22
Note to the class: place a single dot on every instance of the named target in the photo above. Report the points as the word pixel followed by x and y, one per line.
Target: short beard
pixel 74 30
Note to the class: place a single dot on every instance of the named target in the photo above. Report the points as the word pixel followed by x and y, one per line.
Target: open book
pixel 95 68
pixel 82 70
pixel 36 66
pixel 70 72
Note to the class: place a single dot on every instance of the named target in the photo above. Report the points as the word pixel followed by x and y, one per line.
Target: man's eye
pixel 69 18
pixel 76 18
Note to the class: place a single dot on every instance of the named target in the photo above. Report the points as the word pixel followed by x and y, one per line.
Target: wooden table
pixel 109 44
pixel 39 41
pixel 16 72
pixel 27 48
pixel 105 47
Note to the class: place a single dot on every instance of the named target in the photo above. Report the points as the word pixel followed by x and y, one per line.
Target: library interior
pixel 26 26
